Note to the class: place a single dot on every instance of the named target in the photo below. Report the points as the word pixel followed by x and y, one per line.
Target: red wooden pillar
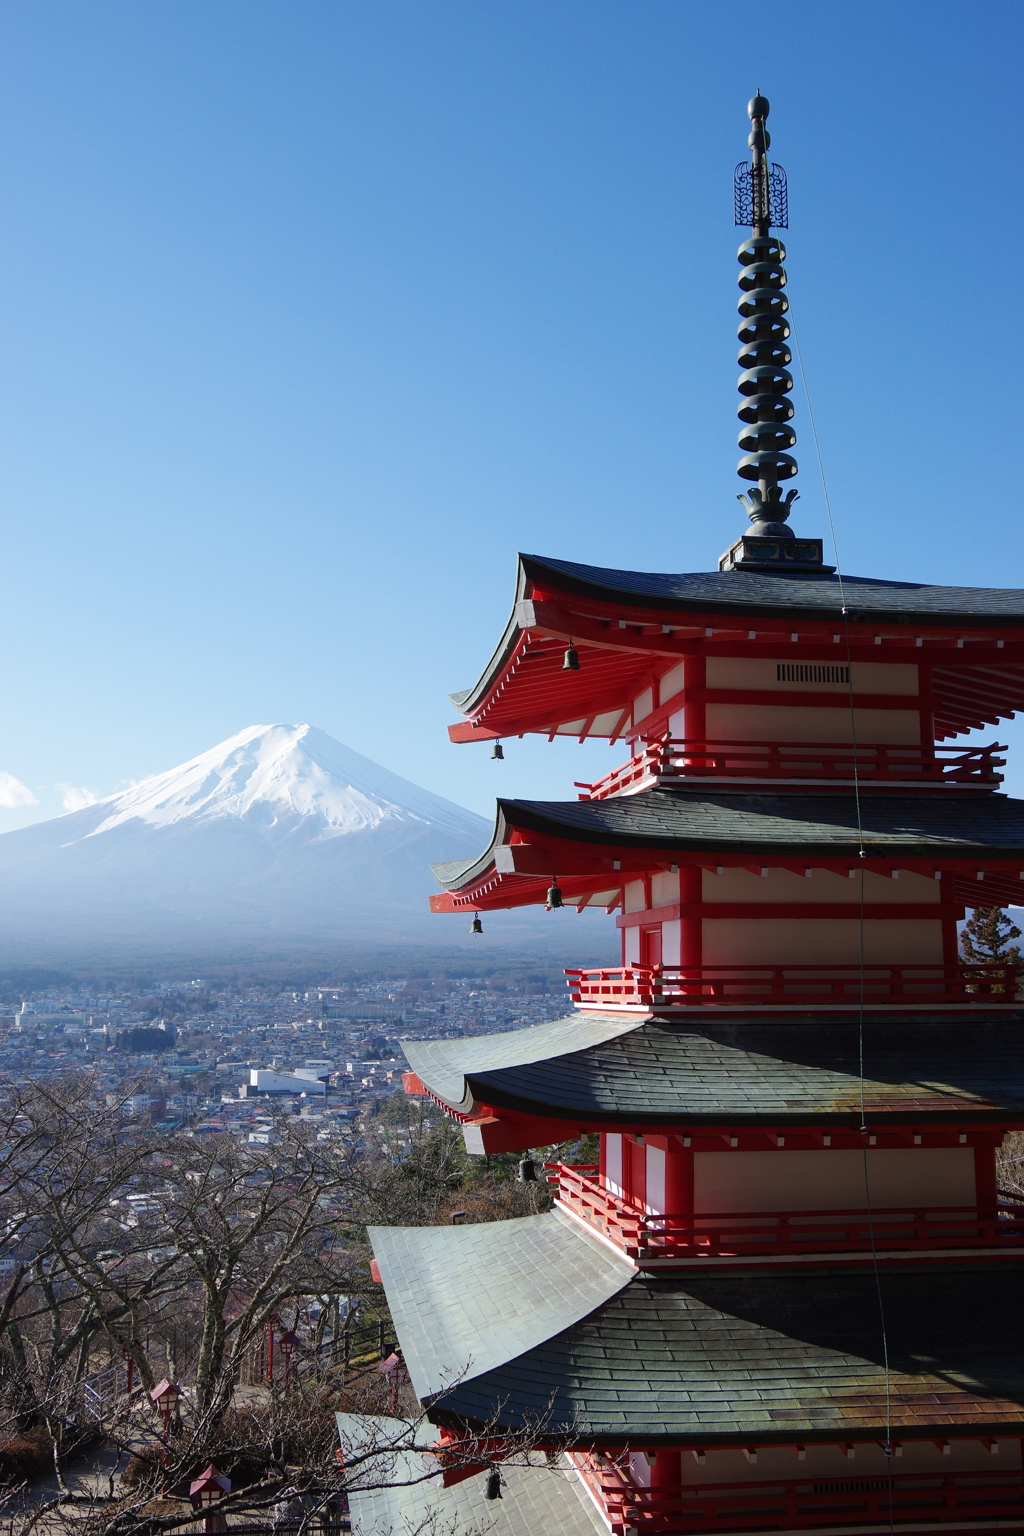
pixel 985 1180
pixel 678 1178
pixel 691 892
pixel 666 1475
pixel 694 708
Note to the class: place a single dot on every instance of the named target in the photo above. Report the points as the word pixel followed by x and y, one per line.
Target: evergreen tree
pixel 987 939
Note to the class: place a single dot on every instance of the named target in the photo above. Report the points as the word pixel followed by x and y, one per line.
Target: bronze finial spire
pixel 761 200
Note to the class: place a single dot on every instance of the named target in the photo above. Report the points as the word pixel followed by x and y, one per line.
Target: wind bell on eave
pixel 761 199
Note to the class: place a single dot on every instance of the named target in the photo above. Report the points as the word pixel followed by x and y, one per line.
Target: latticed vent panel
pixel 861 1485
pixel 808 672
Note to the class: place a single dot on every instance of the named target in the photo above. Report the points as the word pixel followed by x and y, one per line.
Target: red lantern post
pixel 287 1341
pixel 206 1492
pixel 164 1397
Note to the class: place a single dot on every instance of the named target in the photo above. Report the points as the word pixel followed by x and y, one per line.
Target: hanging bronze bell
pixel 476 926
pixel 572 659
pixel 497 752
pixel 554 897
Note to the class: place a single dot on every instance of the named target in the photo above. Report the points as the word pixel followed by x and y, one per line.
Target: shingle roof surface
pixel 707 820
pixel 538 1501
pixel 465 1299
pixel 444 1069
pixel 745 1072
pixel 774 1355
pixel 750 590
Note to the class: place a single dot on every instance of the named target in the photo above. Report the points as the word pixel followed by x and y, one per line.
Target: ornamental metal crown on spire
pixel 766 411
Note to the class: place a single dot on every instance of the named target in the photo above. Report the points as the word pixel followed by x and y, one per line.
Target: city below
pixel 204 1058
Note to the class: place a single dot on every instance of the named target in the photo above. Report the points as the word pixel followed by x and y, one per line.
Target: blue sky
pixel 312 315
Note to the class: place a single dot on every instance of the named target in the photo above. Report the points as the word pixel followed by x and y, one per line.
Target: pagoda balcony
pixel 919 1500
pixel 666 1239
pixel 670 760
pixel 646 989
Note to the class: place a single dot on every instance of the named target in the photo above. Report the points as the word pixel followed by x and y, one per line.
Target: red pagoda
pixel 789 1295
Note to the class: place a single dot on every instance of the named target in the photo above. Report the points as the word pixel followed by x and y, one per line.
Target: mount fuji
pixel 280 832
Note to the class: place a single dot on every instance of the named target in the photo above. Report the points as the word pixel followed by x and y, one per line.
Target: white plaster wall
pixel 672 942
pixel 822 885
pixel 642 705
pixel 791 722
pixel 613 1163
pixel 761 672
pixel 634 897
pixel 672 682
pixel 655 1186
pixel 664 889
pixel 631 946
pixel 820 941
pixel 832 1179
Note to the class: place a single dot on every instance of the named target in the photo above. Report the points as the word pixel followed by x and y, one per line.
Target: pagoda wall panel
pixel 811 723
pixel 830 1462
pixel 634 897
pixel 740 885
pixel 832 1179
pixel 818 941
pixel 672 944
pixel 898 678
pixel 672 682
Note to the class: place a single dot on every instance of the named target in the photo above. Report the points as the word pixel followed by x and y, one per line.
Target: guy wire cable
pixel 888 1447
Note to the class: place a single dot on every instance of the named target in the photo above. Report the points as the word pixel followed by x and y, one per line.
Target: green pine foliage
pixel 987 939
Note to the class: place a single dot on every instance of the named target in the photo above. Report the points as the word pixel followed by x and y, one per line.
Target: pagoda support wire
pixel 761 202
pixel 862 854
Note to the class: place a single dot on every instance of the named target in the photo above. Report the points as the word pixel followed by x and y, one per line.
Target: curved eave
pixel 522 688
pixel 594 847
pixel 604 1071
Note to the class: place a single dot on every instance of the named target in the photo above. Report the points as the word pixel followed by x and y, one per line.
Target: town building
pixel 787 1295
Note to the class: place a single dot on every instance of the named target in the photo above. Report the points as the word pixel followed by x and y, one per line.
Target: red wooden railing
pixel 638 988
pixel 641 1235
pixel 670 758
pixel 802 1503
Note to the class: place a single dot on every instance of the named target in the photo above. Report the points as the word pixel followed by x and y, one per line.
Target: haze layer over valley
pixel 279 834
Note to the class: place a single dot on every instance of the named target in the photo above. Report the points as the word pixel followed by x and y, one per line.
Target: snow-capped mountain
pixel 280 832
pixel 280 777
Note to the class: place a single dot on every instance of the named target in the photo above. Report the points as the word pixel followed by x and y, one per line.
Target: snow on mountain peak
pixel 271 776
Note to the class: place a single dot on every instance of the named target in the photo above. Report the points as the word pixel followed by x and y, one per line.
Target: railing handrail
pixel 619 1492
pixel 793 983
pixel 668 1234
pixel 818 760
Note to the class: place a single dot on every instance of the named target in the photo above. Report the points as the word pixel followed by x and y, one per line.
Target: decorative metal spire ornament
pixel 761 198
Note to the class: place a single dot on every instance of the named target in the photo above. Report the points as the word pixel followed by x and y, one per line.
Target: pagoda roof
pixel 710 1359
pixel 623 622
pixel 737 1072
pixel 538 1498
pixel 541 1274
pixel 742 825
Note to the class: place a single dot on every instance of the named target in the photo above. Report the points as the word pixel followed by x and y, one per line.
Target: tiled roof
pixel 765 1356
pixel 933 825
pixel 443 1064
pixel 538 1500
pixel 805 823
pixel 743 1071
pixel 467 1299
pixel 731 591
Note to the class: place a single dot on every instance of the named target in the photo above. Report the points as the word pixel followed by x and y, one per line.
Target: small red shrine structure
pixel 788 1297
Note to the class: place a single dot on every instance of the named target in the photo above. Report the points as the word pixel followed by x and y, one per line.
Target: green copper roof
pixel 762 1355
pixel 683 1072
